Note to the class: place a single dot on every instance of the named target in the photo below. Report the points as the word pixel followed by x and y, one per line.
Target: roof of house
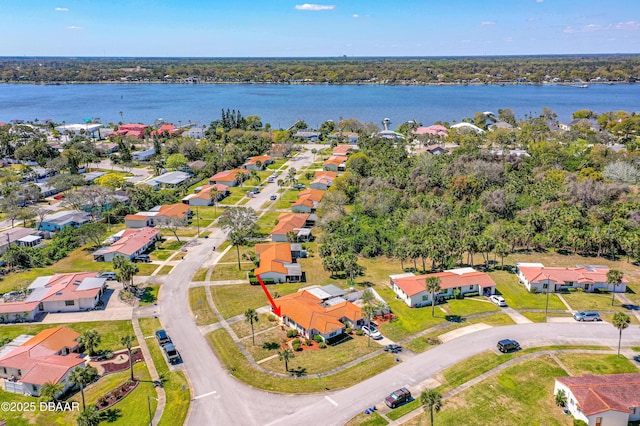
pixel 306 309
pixel 309 197
pixel 205 191
pixel 197 165
pixel 452 278
pixel 326 174
pixel 273 257
pixel 227 175
pixel 436 129
pixel 13 234
pixel 596 394
pixel 177 210
pixel 262 158
pixel 70 286
pixel 67 216
pixel 172 178
pixel 343 149
pixel 335 161
pixel 37 356
pixel 133 240
pixel 560 275
pixel 288 222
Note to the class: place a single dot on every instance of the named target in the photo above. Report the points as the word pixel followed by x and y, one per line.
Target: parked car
pixel 394 349
pixel 142 258
pixel 58 197
pixel 273 197
pixel 398 397
pixel 163 337
pixel 256 190
pixel 498 300
pixel 636 358
pixel 371 331
pixel 271 179
pixel 587 316
pixel 172 353
pixel 299 186
pixel 107 275
pixel 508 345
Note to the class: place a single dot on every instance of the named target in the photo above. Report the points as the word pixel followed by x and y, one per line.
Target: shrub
pixel 292 333
pixel 433 341
pixel 471 294
pixel 296 341
pixel 348 330
pixel 269 281
pixel 253 281
pixel 271 318
pixel 318 338
pixel 108 355
pixel 308 342
pixel 322 345
pixel 359 333
pixel 296 346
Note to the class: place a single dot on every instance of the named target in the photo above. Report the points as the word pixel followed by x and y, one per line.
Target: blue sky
pixel 284 28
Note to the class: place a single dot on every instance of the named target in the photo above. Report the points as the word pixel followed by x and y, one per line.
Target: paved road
pixel 139 173
pixel 219 398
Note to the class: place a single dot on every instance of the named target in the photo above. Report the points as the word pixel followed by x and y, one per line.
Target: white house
pixel 604 400
pixel 411 289
pixel 537 278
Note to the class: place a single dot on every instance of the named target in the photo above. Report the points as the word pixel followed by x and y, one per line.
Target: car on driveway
pixel 498 300
pixel 299 186
pixel 142 258
pixel 587 316
pixel 273 197
pixel 371 331
pixel 508 345
pixel 398 397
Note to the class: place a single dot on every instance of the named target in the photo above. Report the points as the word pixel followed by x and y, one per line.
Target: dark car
pixel 636 358
pixel 299 186
pixel 508 345
pixel 394 349
pixel 273 197
pixel 163 337
pixel 142 258
pixel 172 353
pixel 398 397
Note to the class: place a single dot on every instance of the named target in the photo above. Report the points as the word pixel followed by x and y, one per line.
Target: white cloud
pixel 61 9
pixel 539 1
pixel 73 27
pixel 630 25
pixel 487 23
pixel 355 15
pixel 315 7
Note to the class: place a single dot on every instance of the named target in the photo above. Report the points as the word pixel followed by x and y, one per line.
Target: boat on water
pixel 582 86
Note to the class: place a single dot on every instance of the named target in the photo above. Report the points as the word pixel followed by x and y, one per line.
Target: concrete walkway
pixel 162 397
pixel 516 316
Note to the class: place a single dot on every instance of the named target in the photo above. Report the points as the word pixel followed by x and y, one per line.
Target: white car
pixel 498 300
pixel 371 331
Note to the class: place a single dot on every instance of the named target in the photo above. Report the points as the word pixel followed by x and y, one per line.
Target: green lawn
pixel 229 271
pixel 518 297
pixel 267 344
pixel 110 331
pixel 597 364
pixel 175 383
pixel 172 245
pixel 208 213
pixel 362 419
pixel 200 274
pixel 182 232
pixel 286 199
pixel 243 328
pixel 150 294
pixel 237 364
pixel 161 254
pixel 165 270
pixel 541 317
pixel 267 222
pixel 583 301
pixel 200 309
pixel 234 300
pixel 322 360
pixel 146 269
pixel 467 306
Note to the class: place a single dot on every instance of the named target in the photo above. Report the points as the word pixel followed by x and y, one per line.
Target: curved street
pixel 220 399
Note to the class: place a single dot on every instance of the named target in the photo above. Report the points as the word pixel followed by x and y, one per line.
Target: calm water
pixel 283 105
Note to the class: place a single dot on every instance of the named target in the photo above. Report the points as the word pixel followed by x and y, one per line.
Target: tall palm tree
pixel 126 270
pixel 127 341
pixel 621 321
pixel 251 316
pixel 614 277
pixel 285 355
pixel 89 417
pixel 433 286
pixel 431 401
pixel 50 391
pixel 369 311
pixel 80 377
pixel 90 339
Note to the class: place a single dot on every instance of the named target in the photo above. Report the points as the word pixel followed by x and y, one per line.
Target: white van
pixel 107 275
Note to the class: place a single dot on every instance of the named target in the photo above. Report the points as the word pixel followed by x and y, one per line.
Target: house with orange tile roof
pixel 323 180
pixel 312 315
pixel 277 262
pixel 412 289
pixel 602 400
pixel 166 130
pixel 258 163
pixel 48 357
pixel 232 177
pixel 298 223
pixel 155 216
pixel 335 163
pixel 132 243
pixel 538 278
pixel 307 201
pixel 343 150
pixel 204 195
pixel 70 292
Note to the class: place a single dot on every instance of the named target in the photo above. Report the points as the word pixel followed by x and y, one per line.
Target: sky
pixel 289 28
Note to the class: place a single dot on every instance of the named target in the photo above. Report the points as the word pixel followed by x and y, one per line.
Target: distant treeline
pixel 473 70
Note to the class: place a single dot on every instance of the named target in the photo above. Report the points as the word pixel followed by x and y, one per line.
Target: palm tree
pixel 369 311
pixel 431 401
pixel 285 355
pixel 90 339
pixel 251 316
pixel 620 321
pixel 237 240
pixel 50 391
pixel 614 277
pixel 89 417
pixel 215 193
pixel 127 341
pixel 255 176
pixel 80 376
pixel 126 270
pixel 433 286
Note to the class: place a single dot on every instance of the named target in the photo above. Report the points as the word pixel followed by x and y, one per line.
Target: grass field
pixel 597 364
pixel 267 222
pixel 200 274
pixel 362 419
pixel 518 297
pixel 165 270
pixel 243 328
pixel 229 271
pixel 200 309
pixel 234 300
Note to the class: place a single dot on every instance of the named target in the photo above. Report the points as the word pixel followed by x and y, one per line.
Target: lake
pixel 282 105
